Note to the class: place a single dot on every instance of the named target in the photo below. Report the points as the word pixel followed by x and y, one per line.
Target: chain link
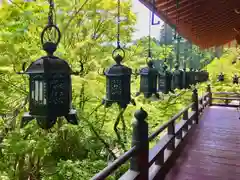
pixel 118 24
pixel 149 36
pixel 50 13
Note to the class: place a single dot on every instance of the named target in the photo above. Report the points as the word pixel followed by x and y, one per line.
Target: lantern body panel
pixel 197 80
pixel 184 79
pixel 144 83
pixel 148 81
pixel 59 94
pixel 118 88
pixel 38 94
pixel 177 79
pixel 191 78
pixel 164 82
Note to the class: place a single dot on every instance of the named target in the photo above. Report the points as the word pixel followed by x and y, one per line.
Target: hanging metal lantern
pixel 204 76
pixel 118 82
pixel 235 79
pixel 177 78
pixel 221 77
pixel 191 77
pixel 50 93
pixel 164 80
pixel 148 80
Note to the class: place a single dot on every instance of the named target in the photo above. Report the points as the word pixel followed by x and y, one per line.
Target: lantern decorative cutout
pixel 177 78
pixel 148 80
pixel 164 80
pixel 221 77
pixel 118 82
pixel 50 86
pixel 235 79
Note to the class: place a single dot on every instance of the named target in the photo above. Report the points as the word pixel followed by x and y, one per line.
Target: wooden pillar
pixel 139 162
pixel 209 95
pixel 195 104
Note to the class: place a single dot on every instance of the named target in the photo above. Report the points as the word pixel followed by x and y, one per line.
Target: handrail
pixel 227 97
pixel 164 126
pixel 139 165
pixel 115 164
pixel 219 93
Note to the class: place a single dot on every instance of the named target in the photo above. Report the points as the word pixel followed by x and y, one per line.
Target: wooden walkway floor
pixel 213 150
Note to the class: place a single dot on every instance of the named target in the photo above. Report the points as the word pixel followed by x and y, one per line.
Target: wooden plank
pixel 226 98
pixel 225 105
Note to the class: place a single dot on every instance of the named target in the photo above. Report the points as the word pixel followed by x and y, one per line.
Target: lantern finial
pixel 118 59
pixel 150 64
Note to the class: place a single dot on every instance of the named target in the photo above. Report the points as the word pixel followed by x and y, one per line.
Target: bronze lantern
pixel 148 80
pixel 164 80
pixel 177 76
pixel 50 88
pixel 118 82
pixel 221 77
pixel 235 79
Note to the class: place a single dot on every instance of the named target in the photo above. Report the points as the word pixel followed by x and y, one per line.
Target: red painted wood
pixel 212 21
pixel 213 152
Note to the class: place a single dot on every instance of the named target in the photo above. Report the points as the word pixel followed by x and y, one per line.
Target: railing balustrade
pixel 153 163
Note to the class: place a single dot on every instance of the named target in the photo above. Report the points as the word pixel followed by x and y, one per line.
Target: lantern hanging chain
pixel 177 34
pixel 177 19
pixel 165 37
pixel 51 12
pixel 149 36
pixel 118 24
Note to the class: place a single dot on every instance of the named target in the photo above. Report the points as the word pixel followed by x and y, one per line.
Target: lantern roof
pixel 118 70
pixel 49 64
pixel 148 70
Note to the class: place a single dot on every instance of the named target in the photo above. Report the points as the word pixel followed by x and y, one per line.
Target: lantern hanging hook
pixel 118 58
pixel 49 45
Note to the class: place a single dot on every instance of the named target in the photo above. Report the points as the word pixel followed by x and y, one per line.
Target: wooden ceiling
pixel 206 23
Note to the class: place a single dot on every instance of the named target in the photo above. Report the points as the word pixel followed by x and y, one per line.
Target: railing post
pixel 209 94
pixel 185 117
pixel 171 131
pixel 139 162
pixel 195 105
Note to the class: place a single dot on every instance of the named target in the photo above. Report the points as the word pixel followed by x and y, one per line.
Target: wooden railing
pixel 153 163
pixel 227 98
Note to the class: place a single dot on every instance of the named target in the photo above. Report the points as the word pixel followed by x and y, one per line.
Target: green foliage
pixel 89 31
